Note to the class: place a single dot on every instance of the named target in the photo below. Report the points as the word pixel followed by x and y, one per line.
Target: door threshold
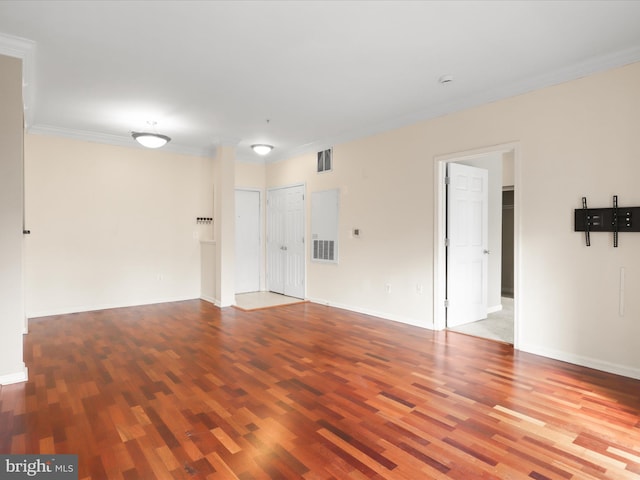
pixel 261 300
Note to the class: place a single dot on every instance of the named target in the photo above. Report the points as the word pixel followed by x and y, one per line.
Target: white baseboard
pixel 209 299
pixel 588 362
pixel 582 361
pixel 494 309
pixel 91 308
pixel 15 377
pixel 373 313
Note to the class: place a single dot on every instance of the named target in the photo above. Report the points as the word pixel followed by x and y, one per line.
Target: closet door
pixel 247 241
pixel 285 241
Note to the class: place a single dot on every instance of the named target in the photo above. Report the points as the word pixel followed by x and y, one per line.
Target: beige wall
pixel 112 226
pixel 12 316
pixel 574 139
pixel 224 172
pixel 393 247
pixel 115 226
pixel 250 175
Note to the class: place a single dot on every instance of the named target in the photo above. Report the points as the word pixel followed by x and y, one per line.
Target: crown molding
pixel 565 74
pixel 117 140
pixel 25 50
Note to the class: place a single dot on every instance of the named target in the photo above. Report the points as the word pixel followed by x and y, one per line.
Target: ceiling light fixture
pixel 150 140
pixel 261 148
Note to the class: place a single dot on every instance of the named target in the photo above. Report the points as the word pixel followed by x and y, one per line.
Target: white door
pixel 247 241
pixel 285 241
pixel 467 251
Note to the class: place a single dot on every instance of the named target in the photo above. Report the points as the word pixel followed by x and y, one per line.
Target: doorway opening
pixel 500 257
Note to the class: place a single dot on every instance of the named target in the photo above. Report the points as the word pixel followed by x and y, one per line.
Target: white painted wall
pixel 112 226
pixel 578 138
pixel 12 318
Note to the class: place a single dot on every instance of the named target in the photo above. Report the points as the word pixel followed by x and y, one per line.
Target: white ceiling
pixel 320 72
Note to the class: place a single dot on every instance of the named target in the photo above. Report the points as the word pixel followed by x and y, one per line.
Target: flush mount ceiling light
pixel 149 139
pixel 261 148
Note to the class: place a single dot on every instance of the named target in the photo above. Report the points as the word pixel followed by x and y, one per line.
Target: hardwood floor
pixel 186 390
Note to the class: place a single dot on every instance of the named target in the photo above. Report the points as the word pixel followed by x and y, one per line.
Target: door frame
pixel 440 229
pixel 304 222
pixel 260 233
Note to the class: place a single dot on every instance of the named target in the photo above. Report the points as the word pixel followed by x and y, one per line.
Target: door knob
pixel 486 252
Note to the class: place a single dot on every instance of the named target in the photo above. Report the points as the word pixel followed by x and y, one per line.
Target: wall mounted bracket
pixel 615 219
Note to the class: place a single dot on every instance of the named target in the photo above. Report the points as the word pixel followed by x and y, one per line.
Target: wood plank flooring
pixel 188 391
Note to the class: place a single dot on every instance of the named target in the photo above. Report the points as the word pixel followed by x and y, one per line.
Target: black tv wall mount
pixel 615 219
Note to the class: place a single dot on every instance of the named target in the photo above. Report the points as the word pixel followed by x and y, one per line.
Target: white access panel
pixel 324 225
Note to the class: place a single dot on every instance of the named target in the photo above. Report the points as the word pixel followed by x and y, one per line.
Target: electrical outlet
pixel 419 289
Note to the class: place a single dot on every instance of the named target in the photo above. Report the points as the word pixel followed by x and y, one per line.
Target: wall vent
pixel 324 250
pixel 325 160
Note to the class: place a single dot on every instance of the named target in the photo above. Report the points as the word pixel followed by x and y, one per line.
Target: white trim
pixel 117 140
pixel 582 361
pixel 494 309
pixel 439 215
pixel 562 75
pixel 517 241
pixel 24 49
pixel 439 246
pixel 374 313
pixel 106 306
pixel 289 185
pixel 16 377
pixel 209 299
